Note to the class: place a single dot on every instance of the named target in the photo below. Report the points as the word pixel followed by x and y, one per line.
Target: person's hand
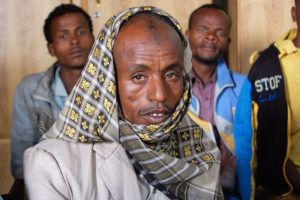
pixel 293 175
pixel 17 190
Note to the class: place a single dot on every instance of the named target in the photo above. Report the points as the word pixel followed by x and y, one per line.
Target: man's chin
pixel 149 120
pixel 76 66
pixel 78 62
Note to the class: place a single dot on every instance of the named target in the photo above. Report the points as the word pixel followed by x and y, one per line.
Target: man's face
pixel 209 35
pixel 71 40
pixel 296 13
pixel 149 65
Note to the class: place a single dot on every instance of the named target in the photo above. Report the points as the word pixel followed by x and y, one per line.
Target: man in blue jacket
pixel 40 97
pixel 215 87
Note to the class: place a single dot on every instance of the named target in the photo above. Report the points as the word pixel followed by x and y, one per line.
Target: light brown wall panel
pixel 180 9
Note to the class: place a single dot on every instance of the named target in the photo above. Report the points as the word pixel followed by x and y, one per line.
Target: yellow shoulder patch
pixel 253 57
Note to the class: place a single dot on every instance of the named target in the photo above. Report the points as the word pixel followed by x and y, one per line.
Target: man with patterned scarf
pixel 125 132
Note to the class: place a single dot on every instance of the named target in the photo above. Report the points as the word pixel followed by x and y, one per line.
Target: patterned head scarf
pixel 175 156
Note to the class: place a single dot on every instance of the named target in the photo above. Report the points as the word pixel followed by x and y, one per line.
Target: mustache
pixel 208 45
pixel 158 107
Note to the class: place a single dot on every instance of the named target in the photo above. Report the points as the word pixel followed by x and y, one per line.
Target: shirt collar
pixel 195 78
pixel 58 86
pixel 285 44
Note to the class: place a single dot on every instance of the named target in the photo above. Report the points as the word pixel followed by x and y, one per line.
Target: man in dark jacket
pixel 271 98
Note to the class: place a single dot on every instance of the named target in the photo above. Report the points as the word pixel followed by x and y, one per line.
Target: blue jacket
pixel 34 112
pixel 228 87
pixel 227 90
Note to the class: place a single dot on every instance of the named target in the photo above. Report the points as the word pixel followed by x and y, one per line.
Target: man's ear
pixel 51 49
pixel 187 34
pixel 293 12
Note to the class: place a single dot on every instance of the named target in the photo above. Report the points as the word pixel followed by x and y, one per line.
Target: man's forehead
pixel 151 25
pixel 144 19
pixel 144 24
pixel 208 11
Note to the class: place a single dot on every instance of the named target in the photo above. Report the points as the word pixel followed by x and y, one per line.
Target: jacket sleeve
pixel 23 133
pixel 42 176
pixel 243 141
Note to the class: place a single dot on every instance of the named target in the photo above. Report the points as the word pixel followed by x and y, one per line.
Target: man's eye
pixel 202 30
pixel 172 75
pixel 138 77
pixel 81 32
pixel 221 34
pixel 62 36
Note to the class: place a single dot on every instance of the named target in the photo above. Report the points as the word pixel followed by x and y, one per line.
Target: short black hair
pixel 62 10
pixel 212 6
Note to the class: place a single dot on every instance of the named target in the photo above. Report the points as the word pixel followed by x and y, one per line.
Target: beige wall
pixel 23 48
pixel 180 9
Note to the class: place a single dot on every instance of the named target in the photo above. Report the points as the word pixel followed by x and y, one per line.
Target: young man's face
pixel 296 13
pixel 71 40
pixel 209 35
pixel 149 65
